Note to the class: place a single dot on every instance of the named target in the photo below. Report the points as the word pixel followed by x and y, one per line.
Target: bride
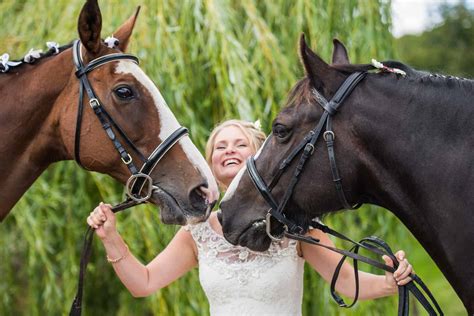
pixel 236 280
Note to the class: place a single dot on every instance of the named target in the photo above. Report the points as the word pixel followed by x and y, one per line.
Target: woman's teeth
pixel 231 162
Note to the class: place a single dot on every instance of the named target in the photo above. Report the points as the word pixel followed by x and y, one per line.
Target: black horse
pixel 402 142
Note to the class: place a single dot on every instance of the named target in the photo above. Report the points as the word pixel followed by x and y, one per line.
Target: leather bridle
pixel 307 146
pixel 139 187
pixel 295 231
pixel 140 180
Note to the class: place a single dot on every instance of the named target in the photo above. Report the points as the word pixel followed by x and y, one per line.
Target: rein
pixel 139 187
pixel 295 231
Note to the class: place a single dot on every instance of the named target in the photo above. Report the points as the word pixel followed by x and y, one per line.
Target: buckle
pixel 127 160
pixel 129 187
pixel 94 103
pixel 309 148
pixel 327 133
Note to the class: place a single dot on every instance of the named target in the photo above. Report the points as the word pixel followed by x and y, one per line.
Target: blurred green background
pixel 212 60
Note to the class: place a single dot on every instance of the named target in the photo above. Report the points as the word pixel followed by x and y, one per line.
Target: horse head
pixel 118 133
pixel 243 208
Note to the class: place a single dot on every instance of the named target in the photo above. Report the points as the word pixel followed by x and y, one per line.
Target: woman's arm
pixel 174 261
pixel 324 261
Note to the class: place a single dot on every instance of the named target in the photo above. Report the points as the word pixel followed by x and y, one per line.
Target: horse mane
pixel 50 52
pixel 411 74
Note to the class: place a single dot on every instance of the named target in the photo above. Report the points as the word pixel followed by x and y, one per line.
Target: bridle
pixel 139 187
pixel 307 145
pixel 295 231
pixel 140 181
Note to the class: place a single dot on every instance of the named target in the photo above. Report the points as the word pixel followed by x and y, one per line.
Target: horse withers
pixel 121 125
pixel 403 142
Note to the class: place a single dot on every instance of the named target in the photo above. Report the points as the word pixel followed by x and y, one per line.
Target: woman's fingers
pixel 96 218
pixel 403 272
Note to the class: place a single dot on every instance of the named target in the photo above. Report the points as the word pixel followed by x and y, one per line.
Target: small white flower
pixel 257 125
pixel 53 45
pixel 111 41
pixel 4 61
pixel 32 55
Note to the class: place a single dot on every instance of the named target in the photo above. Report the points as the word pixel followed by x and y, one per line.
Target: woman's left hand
pixel 402 275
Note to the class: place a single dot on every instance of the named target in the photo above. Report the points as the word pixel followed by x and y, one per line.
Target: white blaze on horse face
pixel 169 124
pixel 235 182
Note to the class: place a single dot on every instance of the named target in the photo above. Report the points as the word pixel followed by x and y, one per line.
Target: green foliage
pixel 212 60
pixel 447 48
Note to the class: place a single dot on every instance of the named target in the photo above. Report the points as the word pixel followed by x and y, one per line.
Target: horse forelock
pixel 168 122
pixel 300 94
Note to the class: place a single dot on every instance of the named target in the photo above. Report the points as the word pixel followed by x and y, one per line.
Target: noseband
pixel 139 187
pixel 295 231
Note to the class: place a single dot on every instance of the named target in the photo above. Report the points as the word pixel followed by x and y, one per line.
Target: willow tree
pixel 212 60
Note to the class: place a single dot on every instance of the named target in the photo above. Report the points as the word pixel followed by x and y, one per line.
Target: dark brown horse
pixel 401 142
pixel 39 119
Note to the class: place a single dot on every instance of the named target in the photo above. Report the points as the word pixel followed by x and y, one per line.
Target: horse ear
pixel 315 68
pixel 125 31
pixel 339 54
pixel 89 26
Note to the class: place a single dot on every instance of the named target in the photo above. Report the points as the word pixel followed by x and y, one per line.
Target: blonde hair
pixel 255 136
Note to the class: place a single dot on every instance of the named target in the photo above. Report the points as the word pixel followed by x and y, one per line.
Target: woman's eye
pixel 243 145
pixel 124 93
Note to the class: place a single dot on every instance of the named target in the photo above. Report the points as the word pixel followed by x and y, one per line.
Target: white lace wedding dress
pixel 238 281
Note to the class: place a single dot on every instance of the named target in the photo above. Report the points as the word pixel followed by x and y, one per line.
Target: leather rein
pixel 139 187
pixel 295 231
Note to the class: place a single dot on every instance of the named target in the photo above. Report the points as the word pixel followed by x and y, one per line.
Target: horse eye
pixel 124 93
pixel 281 131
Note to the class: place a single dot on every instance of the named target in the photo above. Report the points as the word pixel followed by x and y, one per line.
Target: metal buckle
pixel 329 133
pixel 94 103
pixel 311 146
pixel 127 160
pixel 268 228
pixel 129 186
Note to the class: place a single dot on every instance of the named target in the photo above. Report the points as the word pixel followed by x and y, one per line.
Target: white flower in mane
pixel 53 45
pixel 5 63
pixel 382 67
pixel 257 125
pixel 111 42
pixel 32 55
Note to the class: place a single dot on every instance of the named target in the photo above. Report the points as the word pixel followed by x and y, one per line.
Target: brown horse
pixel 39 116
pixel 401 142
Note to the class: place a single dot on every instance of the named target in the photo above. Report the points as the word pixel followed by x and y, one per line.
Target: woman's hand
pixel 102 219
pixel 402 275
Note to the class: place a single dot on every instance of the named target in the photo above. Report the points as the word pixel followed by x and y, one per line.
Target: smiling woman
pixel 229 145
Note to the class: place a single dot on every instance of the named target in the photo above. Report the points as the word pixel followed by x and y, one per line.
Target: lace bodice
pixel 238 281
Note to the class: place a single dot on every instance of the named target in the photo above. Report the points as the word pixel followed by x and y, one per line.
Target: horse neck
pixel 417 162
pixel 28 123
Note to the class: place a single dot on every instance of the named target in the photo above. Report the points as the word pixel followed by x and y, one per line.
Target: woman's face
pixel 231 150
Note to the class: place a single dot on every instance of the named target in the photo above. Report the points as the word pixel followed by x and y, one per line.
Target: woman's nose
pixel 230 149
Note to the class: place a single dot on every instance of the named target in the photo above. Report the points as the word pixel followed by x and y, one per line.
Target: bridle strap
pixel 379 247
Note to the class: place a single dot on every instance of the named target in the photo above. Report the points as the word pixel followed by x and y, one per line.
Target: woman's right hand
pixel 102 219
